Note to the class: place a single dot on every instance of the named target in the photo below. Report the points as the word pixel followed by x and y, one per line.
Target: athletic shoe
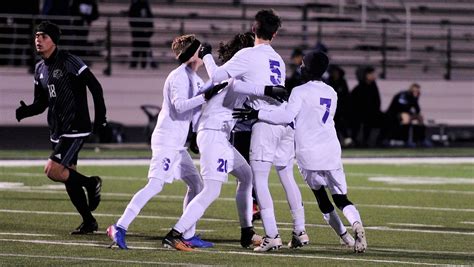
pixel 248 238
pixel 269 244
pixel 86 228
pixel 298 240
pixel 93 193
pixel 360 244
pixel 174 239
pixel 197 242
pixel 347 240
pixel 117 234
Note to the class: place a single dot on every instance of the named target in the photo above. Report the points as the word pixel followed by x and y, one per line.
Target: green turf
pixel 144 152
pixel 406 224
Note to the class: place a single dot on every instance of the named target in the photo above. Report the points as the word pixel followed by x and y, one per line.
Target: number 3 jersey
pixel 313 106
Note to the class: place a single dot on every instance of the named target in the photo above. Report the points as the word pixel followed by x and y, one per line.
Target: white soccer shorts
pixel 286 148
pixel 170 164
pixel 335 180
pixel 218 156
pixel 265 142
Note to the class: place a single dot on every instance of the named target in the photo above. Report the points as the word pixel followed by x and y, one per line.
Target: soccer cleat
pixel 86 228
pixel 117 234
pixel 174 239
pixel 248 238
pixel 298 240
pixel 93 193
pixel 360 244
pixel 347 240
pixel 197 242
pixel 269 244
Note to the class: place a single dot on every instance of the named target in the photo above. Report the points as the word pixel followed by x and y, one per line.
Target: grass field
pixel 416 214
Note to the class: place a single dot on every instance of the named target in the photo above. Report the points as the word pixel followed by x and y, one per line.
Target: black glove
pixel 277 92
pixel 214 90
pixel 245 114
pixel 99 126
pixel 204 50
pixel 22 111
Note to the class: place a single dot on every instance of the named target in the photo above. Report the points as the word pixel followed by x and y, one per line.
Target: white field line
pixel 59 258
pixel 467 222
pixel 23 234
pixel 141 162
pixel 379 228
pixel 273 255
pixel 417 225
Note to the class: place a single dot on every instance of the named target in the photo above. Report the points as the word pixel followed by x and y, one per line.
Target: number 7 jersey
pixel 313 106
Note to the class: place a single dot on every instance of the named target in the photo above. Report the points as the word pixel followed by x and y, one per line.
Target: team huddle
pixel 249 85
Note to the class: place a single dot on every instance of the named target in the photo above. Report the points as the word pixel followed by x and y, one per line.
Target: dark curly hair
pixel 242 40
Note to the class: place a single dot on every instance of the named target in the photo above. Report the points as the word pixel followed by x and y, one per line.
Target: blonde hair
pixel 181 43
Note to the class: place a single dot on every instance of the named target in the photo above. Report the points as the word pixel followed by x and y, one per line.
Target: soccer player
pixel 219 157
pixel 262 65
pixel 318 152
pixel 60 85
pixel 170 159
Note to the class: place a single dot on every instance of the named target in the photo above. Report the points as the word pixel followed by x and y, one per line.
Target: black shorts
pixel 65 152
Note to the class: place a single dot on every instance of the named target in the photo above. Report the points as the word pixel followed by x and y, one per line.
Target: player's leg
pixel 243 173
pixel 65 154
pixel 337 184
pixel 194 183
pixel 263 144
pixel 194 211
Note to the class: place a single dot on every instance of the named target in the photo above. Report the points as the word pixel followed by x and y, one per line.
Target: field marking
pixel 378 228
pixel 146 162
pixel 417 225
pixel 97 259
pixel 400 180
pixel 199 251
pixel 23 234
pixel 467 222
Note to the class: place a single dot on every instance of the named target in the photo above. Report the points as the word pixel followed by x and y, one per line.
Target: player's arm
pixel 235 67
pixel 283 115
pixel 40 103
pixel 179 98
pixel 100 119
pixel 215 73
pixel 278 92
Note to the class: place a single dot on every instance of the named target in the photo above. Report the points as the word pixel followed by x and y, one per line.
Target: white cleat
pixel 360 244
pixel 347 240
pixel 298 240
pixel 269 244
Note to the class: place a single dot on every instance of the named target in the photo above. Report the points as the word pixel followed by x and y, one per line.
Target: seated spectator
pixel 365 102
pixel 338 82
pixel 404 120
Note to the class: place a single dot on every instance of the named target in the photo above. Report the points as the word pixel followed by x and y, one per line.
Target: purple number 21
pixel 327 102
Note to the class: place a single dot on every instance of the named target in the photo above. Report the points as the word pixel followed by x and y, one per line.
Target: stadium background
pixel 429 42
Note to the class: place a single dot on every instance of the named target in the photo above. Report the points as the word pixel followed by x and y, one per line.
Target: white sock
pixel 293 196
pixel 196 208
pixel 243 196
pixel 352 214
pixel 195 186
pixel 335 222
pixel 153 187
pixel 261 170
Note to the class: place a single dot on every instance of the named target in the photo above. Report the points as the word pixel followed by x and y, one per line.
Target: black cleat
pixel 249 238
pixel 174 239
pixel 93 193
pixel 86 228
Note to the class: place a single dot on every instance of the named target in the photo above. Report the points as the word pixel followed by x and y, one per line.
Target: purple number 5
pixel 274 68
pixel 327 103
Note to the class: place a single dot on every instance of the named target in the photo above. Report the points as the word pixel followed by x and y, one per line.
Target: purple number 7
pixel 327 102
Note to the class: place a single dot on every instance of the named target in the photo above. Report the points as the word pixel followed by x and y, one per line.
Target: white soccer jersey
pixel 180 103
pixel 259 65
pixel 313 106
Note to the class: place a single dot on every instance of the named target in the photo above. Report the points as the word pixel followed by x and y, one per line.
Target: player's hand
pixel 99 126
pixel 277 92
pixel 245 114
pixel 22 111
pixel 204 50
pixel 214 90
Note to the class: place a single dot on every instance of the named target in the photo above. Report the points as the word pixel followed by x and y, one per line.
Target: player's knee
pixel 341 201
pixel 56 172
pixel 322 198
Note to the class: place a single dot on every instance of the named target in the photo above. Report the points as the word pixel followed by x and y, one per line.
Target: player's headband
pixel 189 52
